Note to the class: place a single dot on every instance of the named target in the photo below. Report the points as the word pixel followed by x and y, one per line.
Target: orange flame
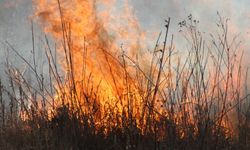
pixel 90 34
pixel 93 37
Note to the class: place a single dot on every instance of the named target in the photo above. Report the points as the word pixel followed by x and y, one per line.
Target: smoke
pixel 14 28
pixel 151 15
pixel 147 20
pixel 15 23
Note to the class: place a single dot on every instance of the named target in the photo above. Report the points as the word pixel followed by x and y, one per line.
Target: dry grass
pixel 198 101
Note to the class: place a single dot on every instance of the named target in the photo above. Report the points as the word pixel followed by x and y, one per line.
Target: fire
pixel 93 39
pixel 95 43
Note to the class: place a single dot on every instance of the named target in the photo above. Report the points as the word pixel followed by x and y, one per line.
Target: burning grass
pixel 94 97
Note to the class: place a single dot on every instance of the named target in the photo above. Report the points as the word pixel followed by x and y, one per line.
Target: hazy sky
pixel 15 25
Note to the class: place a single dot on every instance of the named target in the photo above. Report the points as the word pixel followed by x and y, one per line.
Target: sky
pixel 15 26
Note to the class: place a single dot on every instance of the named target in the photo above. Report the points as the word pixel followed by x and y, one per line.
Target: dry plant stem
pixel 194 99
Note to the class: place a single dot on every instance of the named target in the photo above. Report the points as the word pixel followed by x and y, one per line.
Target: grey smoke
pixel 15 25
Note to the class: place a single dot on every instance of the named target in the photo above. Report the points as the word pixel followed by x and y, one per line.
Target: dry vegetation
pixel 187 104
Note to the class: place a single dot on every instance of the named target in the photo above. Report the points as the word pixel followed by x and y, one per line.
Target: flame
pixel 93 38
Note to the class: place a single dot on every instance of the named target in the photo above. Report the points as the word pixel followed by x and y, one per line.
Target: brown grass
pixel 199 102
